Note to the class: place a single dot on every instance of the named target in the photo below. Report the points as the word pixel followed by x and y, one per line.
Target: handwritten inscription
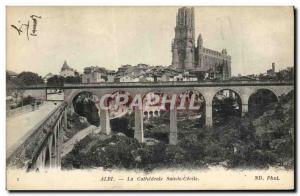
pixel 29 27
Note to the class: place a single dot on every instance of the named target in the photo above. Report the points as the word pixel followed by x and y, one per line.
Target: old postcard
pixel 150 98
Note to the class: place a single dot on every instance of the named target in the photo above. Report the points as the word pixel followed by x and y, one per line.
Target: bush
pixel 214 153
pixel 260 158
pixel 175 154
pixel 149 157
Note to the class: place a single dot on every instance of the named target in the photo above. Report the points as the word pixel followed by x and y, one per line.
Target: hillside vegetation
pixel 267 140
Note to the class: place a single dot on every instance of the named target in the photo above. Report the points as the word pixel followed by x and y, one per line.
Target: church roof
pixel 65 66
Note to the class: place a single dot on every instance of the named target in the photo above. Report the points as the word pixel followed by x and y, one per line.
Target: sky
pixel 113 36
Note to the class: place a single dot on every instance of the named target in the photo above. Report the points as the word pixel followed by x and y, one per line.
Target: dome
pixel 65 66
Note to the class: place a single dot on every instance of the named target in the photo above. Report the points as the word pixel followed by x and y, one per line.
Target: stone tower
pixel 183 45
pixel 199 51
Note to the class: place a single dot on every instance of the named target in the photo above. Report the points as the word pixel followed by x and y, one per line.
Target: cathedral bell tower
pixel 183 46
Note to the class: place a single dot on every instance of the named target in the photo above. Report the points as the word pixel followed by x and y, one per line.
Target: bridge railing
pixel 179 83
pixel 27 153
pixel 160 83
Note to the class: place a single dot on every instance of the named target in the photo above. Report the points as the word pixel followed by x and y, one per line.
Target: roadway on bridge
pixel 21 126
pixel 69 145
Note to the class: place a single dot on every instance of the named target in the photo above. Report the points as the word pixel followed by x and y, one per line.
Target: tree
pixel 30 78
pixel 73 79
pixel 260 102
pixel 56 81
pixel 224 109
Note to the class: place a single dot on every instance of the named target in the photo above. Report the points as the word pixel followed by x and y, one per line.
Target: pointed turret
pixel 200 41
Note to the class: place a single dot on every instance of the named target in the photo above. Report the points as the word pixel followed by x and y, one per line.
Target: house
pixel 123 69
pixel 166 77
pixel 94 75
pixel 111 74
pixel 148 77
pixel 128 78
pixel 187 77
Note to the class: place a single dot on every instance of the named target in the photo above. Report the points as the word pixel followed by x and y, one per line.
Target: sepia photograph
pixel 151 98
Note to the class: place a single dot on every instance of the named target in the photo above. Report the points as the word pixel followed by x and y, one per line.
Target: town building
pixel 147 73
pixel 93 75
pixel 123 69
pixel 198 59
pixel 111 74
pixel 127 78
pixel 271 72
pixel 66 70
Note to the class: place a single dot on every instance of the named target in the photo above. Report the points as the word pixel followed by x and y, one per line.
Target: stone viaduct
pixel 208 90
pixel 42 149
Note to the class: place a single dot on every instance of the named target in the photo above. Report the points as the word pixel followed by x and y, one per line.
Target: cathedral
pixel 196 59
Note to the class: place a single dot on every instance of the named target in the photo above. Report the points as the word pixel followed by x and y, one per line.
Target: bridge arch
pixel 78 93
pixel 152 111
pixel 260 101
pixel 276 91
pixel 47 157
pixel 192 113
pixel 118 116
pixel 53 151
pixel 226 103
pixel 84 104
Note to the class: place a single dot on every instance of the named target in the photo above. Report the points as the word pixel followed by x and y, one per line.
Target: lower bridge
pixel 42 148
